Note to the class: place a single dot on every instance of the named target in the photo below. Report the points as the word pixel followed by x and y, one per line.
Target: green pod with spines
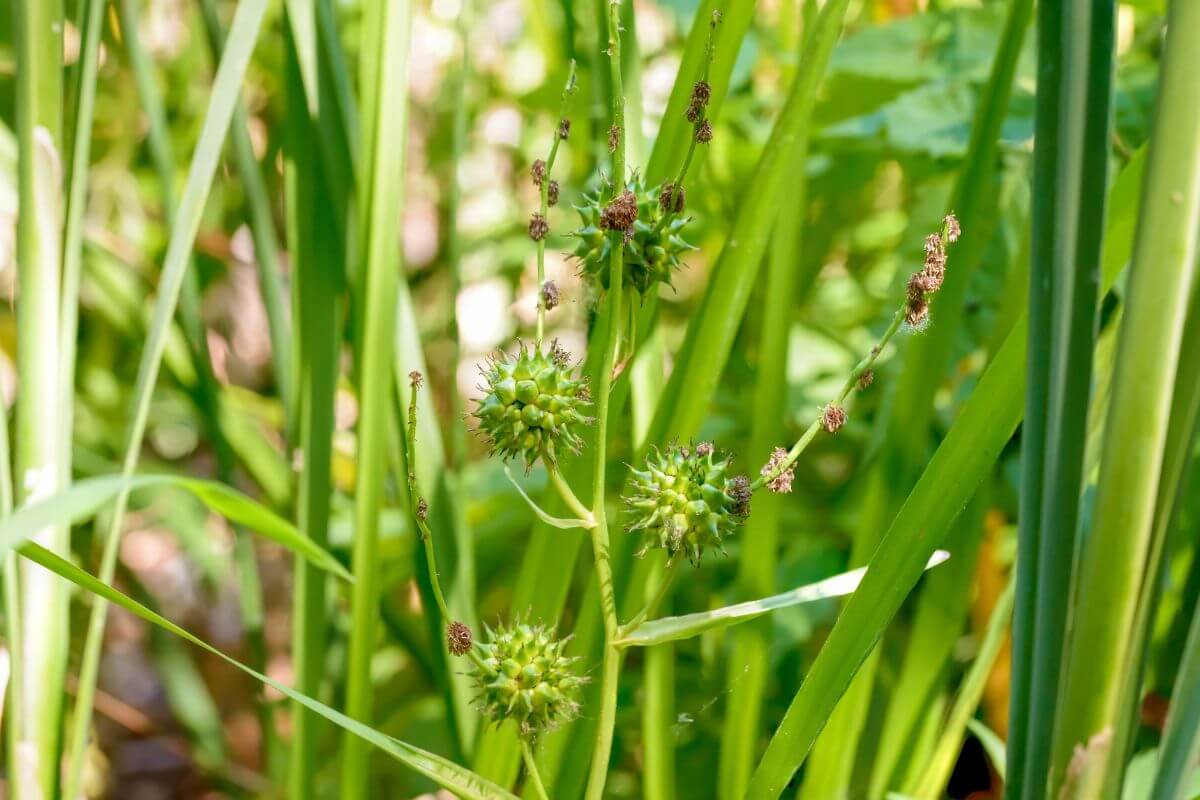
pixel 652 253
pixel 522 674
pixel 686 501
pixel 533 404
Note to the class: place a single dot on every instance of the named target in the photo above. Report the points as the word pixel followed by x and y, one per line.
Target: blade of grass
pixel 904 427
pixel 1180 746
pixel 710 335
pixel 242 37
pixel 316 250
pixel 1075 173
pixel 1162 271
pixel 42 605
pixel 450 776
pixel 384 89
pixel 937 771
pixel 669 629
pixel 262 228
pixel 985 423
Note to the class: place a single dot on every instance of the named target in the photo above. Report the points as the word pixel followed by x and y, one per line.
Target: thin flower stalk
pixel 914 311
pixel 610 670
pixel 547 187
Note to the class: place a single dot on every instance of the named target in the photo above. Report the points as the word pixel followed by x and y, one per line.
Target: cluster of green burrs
pixel 685 501
pixel 653 245
pixel 523 675
pixel 532 404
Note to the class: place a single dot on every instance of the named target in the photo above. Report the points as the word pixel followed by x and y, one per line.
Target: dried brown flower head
pixel 739 490
pixel 422 509
pixel 552 193
pixel 781 483
pixel 416 379
pixel 621 213
pixel 614 138
pixel 952 228
pixel 564 128
pixel 694 112
pixel 916 312
pixel 701 93
pixel 833 418
pixel 704 132
pixel 550 296
pixel 458 638
pixel 866 379
pixel 537 171
pixel 704 449
pixel 538 227
pixel 668 194
pixel 559 354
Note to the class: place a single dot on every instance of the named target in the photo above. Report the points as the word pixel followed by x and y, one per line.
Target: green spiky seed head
pixel 533 404
pixel 685 500
pixel 652 251
pixel 523 675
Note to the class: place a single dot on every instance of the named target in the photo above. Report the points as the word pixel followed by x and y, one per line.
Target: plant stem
pixel 610 671
pixel 545 202
pixel 416 502
pixel 664 588
pixel 568 496
pixel 44 600
pixel 531 771
pixel 1162 270
pixel 385 108
pixel 811 432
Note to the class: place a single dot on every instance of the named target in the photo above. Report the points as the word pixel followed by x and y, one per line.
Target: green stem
pixel 610 672
pixel 457 439
pixel 664 588
pixel 568 496
pixel 1162 270
pixel 531 771
pixel 416 502
pixel 44 601
pixel 811 432
pixel 545 202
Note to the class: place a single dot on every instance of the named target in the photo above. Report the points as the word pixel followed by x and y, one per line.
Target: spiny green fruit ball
pixel 523 675
pixel 532 404
pixel 652 251
pixel 684 500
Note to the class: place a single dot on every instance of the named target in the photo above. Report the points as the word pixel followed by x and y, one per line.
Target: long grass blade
pixel 42 606
pixel 384 88
pixel 242 37
pixel 447 774
pixel 985 423
pixel 1112 564
pixel 670 629
pixel 1180 747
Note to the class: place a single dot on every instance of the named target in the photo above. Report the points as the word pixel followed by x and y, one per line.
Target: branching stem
pixel 545 202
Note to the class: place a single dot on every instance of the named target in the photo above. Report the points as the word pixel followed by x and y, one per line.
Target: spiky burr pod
pixel 653 249
pixel 533 404
pixel 685 500
pixel 524 676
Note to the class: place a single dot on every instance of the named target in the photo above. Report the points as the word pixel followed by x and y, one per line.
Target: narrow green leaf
pixel 1112 564
pixel 671 629
pixel 1180 747
pixel 446 774
pixel 993 746
pixel 985 423
pixel 81 500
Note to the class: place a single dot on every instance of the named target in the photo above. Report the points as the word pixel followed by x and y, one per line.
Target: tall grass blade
pixel 42 639
pixel 1113 562
pixel 384 87
pixel 223 99
pixel 936 773
pixel 904 426
pixel 1180 746
pixel 985 423
pixel 447 774
pixel 316 252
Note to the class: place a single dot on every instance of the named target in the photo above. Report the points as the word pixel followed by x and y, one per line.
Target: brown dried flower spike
pixel 781 483
pixel 537 171
pixel 833 418
pixel 458 638
pixel 538 227
pixel 614 138
pixel 668 193
pixel 550 296
pixel 704 132
pixel 564 128
pixel 621 213
pixel 922 285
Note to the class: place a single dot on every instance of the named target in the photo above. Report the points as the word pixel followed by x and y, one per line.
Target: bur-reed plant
pixel 547 686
